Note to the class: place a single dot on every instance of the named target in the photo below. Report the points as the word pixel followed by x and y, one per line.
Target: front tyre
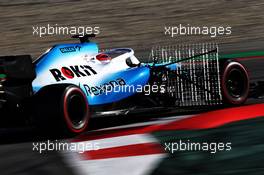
pixel 234 83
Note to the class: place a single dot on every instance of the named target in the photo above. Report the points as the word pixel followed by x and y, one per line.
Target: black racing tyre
pixel 62 108
pixel 234 83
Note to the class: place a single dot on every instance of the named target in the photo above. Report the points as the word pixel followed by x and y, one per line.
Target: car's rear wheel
pixel 234 83
pixel 63 108
pixel 75 109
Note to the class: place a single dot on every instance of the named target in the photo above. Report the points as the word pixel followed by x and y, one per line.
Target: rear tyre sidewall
pixel 55 113
pixel 71 111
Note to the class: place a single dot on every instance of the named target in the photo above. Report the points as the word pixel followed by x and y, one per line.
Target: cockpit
pixel 117 55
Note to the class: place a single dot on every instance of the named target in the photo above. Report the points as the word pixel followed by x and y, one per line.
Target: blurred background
pixel 123 23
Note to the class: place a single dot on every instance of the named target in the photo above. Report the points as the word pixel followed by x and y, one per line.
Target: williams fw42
pixel 71 83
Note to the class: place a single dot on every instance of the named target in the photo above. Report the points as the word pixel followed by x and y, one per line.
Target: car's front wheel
pixel 234 83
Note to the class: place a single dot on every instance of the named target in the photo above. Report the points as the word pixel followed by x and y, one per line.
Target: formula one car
pixel 69 83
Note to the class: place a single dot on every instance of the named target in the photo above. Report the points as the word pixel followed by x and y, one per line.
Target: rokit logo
pixel 72 72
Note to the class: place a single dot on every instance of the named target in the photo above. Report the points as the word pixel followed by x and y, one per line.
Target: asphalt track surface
pixel 136 24
pixel 18 157
pixel 19 150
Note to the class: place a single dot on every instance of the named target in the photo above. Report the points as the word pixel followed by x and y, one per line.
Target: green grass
pixel 242 54
pixel 2 75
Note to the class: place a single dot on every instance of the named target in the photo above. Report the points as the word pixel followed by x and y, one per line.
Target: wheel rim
pixel 76 110
pixel 235 83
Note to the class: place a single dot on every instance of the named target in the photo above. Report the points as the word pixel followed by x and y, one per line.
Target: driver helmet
pixel 103 58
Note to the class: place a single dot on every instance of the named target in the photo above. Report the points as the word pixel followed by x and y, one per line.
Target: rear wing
pixel 17 67
pixel 16 75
